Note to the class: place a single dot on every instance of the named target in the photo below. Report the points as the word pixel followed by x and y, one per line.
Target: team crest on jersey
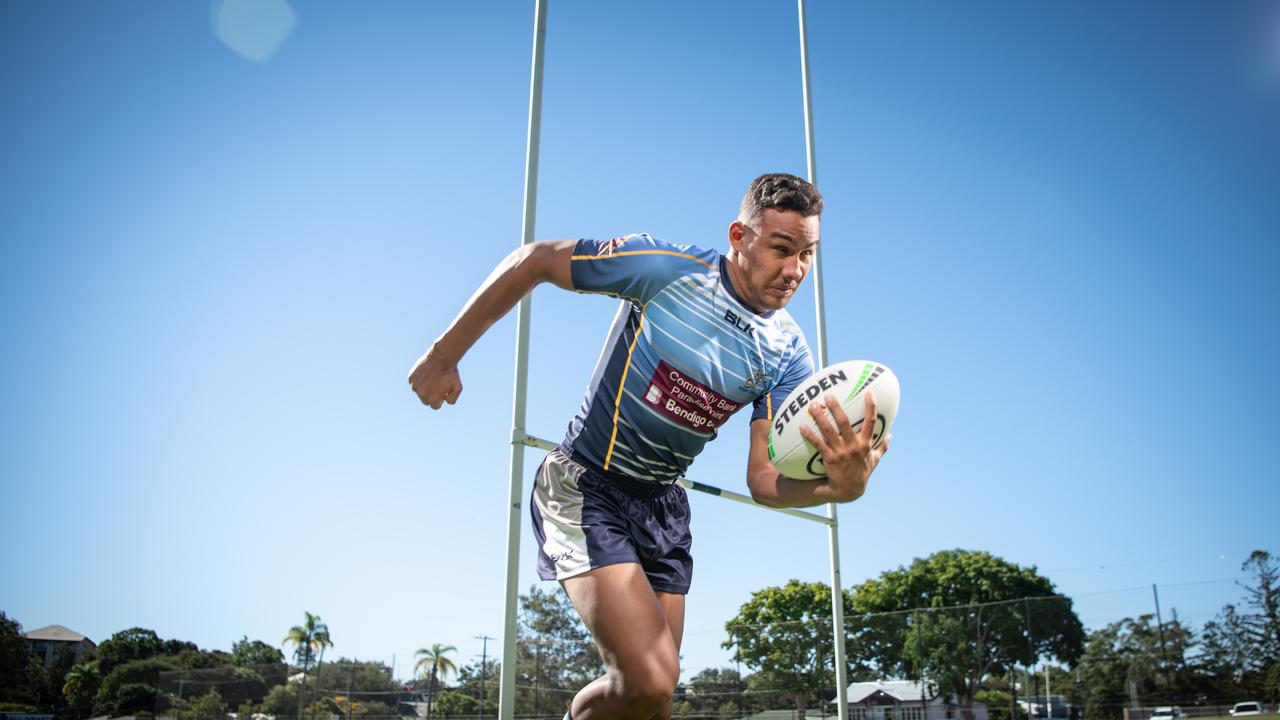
pixel 756 379
pixel 609 247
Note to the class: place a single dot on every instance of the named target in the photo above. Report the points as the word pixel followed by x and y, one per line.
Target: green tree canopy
pixel 19 668
pixel 247 653
pixel 713 693
pixel 555 654
pixel 434 664
pixel 959 616
pixel 470 678
pixel 209 706
pixel 131 687
pixel 309 640
pixel 785 634
pixel 358 676
pixel 128 645
pixel 1263 624
pixel 281 701
pixel 1125 661
pixel 80 687
pixel 1240 647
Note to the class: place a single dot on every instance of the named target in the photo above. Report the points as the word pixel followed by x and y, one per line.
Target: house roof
pixel 882 692
pixel 55 632
pixel 900 690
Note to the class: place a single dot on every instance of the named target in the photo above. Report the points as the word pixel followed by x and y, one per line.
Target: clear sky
pixel 223 247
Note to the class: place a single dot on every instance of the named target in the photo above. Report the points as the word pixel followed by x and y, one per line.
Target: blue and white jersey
pixel 684 354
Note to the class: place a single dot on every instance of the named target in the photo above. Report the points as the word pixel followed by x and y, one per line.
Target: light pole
pixel 484 660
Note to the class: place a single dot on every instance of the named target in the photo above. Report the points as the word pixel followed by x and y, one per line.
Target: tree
pixel 1263 625
pixel 434 660
pixel 247 653
pixel 960 617
pixel 209 705
pixel 356 677
pixel 712 693
pixel 368 685
pixel 308 638
pixel 455 703
pixel 282 701
pixel 471 677
pixel 1240 648
pixel 555 655
pixel 127 645
pixel 19 668
pixel 131 688
pixel 81 686
pixel 785 634
pixel 1124 662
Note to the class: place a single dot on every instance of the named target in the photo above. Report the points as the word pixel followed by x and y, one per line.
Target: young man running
pixel 697 336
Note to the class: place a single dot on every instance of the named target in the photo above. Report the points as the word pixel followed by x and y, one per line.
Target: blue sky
pixel 1056 222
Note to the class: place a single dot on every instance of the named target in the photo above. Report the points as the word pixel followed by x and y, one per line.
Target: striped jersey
pixel 684 353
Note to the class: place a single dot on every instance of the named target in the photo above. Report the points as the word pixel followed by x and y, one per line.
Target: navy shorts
pixel 584 520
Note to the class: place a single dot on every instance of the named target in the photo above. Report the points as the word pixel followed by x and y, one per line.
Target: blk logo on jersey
pixel 747 328
pixel 687 402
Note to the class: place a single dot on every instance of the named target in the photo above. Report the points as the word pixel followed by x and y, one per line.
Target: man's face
pixel 772 256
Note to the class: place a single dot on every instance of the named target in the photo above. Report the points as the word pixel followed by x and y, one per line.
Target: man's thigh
pixel 628 620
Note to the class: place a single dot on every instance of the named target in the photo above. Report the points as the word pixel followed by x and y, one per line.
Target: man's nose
pixel 793 269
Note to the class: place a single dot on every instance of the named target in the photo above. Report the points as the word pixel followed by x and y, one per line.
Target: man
pixel 697 336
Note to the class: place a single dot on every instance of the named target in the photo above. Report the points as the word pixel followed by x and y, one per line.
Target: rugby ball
pixel 849 381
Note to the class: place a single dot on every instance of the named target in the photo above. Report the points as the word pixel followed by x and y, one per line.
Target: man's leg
pixel 638 633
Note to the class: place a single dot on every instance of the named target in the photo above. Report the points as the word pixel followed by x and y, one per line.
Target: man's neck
pixel 738 280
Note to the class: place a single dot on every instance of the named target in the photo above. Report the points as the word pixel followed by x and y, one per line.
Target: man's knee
pixel 649 685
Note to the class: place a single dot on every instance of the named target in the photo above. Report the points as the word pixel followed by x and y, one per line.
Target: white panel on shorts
pixel 560 503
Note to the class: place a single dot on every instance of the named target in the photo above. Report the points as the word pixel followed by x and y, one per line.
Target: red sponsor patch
pixel 687 402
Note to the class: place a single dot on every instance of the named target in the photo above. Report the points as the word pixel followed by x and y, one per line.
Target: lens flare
pixel 254 29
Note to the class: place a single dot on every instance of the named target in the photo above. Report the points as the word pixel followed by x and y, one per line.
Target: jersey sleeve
pixel 636 267
pixel 800 368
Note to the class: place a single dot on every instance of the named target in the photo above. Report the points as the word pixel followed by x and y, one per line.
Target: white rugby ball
pixel 848 381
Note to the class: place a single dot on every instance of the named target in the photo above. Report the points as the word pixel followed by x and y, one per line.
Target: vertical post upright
pixel 833 529
pixel 515 499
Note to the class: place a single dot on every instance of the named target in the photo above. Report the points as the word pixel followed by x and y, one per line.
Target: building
pixel 1055 706
pixel 905 700
pixel 46 641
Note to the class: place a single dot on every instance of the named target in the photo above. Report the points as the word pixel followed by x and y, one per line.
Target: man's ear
pixel 736 231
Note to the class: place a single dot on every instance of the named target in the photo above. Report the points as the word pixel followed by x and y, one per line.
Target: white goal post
pixel 521 439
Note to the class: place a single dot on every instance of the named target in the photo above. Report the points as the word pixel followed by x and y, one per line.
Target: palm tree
pixel 81 685
pixel 310 636
pixel 439 665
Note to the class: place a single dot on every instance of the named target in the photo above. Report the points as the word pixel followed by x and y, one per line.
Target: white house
pixel 903 700
pixel 46 641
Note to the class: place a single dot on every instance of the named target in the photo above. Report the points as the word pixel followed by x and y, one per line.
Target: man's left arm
pixel 847 455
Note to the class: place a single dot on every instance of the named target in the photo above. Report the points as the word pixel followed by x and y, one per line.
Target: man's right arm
pixel 435 376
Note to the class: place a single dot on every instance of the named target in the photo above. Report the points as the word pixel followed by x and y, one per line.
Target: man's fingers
pixel 840 416
pixel 829 432
pixel 814 440
pixel 869 417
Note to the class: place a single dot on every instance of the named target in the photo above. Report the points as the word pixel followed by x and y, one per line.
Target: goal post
pixel 520 439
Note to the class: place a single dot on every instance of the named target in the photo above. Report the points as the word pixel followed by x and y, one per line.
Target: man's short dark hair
pixel 779 191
